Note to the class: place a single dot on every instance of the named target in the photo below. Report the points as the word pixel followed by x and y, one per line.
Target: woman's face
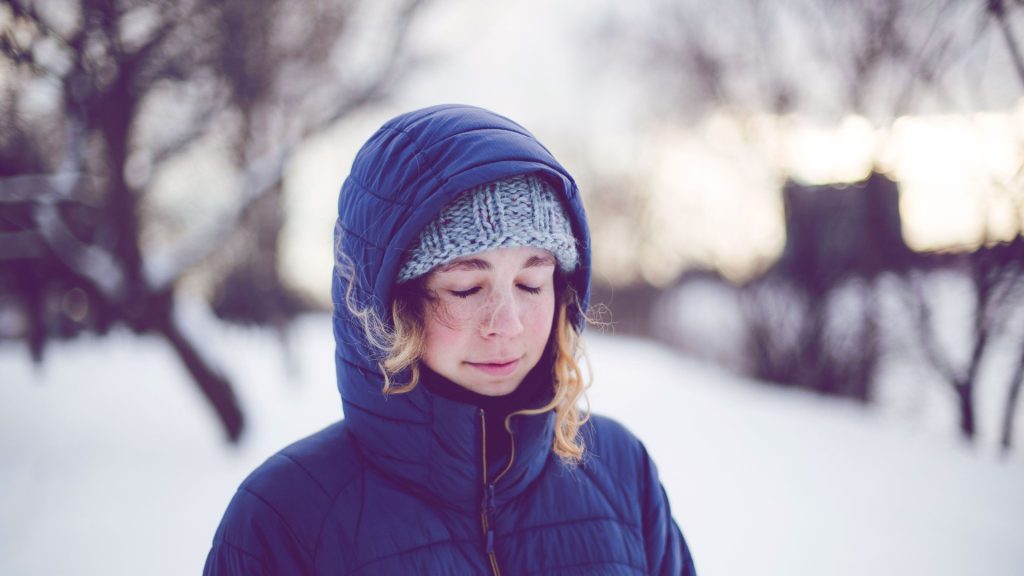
pixel 489 316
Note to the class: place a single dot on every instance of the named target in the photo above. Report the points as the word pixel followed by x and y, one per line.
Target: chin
pixel 497 387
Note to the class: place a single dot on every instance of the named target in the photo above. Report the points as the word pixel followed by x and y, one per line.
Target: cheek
pixel 441 331
pixel 538 321
pixel 442 335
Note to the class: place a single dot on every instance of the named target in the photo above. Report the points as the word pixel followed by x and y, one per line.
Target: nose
pixel 503 317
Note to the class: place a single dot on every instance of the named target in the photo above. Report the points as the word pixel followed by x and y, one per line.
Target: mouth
pixel 497 367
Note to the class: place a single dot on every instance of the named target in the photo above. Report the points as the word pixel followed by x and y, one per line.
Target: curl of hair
pixel 401 345
pixel 570 387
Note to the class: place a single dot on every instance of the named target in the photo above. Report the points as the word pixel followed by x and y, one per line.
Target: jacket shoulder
pixel 326 461
pixel 614 458
pixel 275 517
pixel 615 455
pixel 607 438
pixel 619 462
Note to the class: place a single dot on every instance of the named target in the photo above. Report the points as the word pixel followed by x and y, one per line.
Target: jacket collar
pixel 433 446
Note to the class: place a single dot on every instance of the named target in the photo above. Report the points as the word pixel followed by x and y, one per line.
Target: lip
pixel 497 368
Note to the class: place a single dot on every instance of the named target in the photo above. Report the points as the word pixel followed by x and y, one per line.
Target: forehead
pixel 521 257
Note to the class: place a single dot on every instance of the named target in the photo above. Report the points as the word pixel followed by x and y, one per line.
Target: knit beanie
pixel 518 211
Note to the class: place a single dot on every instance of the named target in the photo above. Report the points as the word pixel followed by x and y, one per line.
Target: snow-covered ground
pixel 110 462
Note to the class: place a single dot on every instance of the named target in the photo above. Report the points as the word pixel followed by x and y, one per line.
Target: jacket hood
pixel 400 180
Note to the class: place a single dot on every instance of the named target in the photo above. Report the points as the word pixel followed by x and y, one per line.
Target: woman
pixel 462 270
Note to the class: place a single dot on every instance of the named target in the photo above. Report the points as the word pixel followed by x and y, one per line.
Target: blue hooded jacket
pixel 400 485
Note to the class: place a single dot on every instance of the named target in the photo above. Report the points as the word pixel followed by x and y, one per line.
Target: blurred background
pixel 808 223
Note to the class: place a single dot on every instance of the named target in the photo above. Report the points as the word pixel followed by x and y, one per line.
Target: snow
pixel 705 318
pixel 112 463
pixel 782 482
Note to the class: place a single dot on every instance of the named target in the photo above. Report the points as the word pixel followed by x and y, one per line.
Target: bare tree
pixel 877 58
pixel 1009 258
pixel 103 95
pixel 880 58
pixel 962 380
pixel 999 10
pixel 1011 403
pixel 997 281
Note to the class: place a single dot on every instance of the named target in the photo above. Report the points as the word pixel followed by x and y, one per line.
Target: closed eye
pixel 465 293
pixel 529 289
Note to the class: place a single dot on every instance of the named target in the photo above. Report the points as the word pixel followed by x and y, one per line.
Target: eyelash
pixel 474 290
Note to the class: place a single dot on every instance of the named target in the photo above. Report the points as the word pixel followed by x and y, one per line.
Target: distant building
pixel 834 231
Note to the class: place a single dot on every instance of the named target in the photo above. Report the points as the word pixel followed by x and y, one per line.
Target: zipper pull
pixel 489 511
pixel 490 498
pixel 490 540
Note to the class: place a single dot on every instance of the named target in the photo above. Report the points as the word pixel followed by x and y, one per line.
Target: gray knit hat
pixel 518 211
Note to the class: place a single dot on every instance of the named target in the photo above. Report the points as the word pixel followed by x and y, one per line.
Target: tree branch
pixel 21 57
pixel 259 179
pixel 926 331
pixel 21 245
pixel 90 262
pixel 28 12
pixel 265 174
pixel 1010 408
pixel 186 138
pixel 93 264
pixel 930 57
pixel 998 10
pixel 36 187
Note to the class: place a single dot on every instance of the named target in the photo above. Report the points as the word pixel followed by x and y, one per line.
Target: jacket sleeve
pixel 227 559
pixel 253 539
pixel 666 549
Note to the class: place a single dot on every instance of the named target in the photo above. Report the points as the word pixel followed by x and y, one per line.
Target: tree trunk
pixel 214 386
pixel 965 394
pixel 1010 410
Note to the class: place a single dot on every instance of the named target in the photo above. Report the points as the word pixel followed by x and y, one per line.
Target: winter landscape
pixel 113 465
pixel 824 195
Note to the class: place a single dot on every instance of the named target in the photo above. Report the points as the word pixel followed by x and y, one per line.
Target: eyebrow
pixel 481 264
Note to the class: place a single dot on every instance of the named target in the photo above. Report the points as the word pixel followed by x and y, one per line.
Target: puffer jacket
pixel 402 484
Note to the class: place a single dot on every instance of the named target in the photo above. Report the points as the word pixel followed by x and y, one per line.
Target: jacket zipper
pixel 487 507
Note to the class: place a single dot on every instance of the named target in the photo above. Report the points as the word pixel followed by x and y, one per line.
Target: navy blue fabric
pixel 401 484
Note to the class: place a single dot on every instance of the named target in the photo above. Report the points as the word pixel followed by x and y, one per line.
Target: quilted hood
pixel 400 180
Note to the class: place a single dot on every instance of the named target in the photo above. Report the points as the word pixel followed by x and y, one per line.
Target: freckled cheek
pixel 537 323
pixel 437 332
pixel 444 341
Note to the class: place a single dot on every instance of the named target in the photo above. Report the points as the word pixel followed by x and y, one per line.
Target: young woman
pixel 462 272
